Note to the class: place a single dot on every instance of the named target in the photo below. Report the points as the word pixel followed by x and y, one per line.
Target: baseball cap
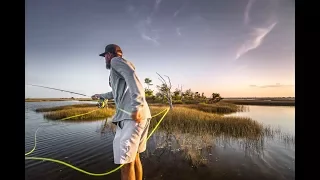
pixel 111 48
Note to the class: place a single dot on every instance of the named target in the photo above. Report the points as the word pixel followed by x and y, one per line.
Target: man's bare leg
pixel 127 171
pixel 138 168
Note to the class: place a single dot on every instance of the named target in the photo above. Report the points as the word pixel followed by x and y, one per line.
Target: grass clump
pixel 98 114
pixel 219 108
pixel 186 120
pixel 67 107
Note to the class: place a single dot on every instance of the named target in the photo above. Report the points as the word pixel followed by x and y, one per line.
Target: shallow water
pixel 168 156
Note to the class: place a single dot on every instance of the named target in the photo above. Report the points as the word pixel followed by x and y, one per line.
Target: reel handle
pixel 101 102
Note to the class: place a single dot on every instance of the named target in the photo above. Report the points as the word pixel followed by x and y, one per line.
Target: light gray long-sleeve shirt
pixel 127 90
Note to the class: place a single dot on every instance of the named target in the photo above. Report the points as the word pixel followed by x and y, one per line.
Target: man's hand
pixel 136 115
pixel 95 97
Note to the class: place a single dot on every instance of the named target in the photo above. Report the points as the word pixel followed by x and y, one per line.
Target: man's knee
pixel 127 166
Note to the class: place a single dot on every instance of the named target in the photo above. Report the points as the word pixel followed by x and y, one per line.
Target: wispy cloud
pixel 277 85
pixel 176 13
pixel 149 38
pixel 257 33
pixel 255 40
pixel 144 25
pixel 179 9
pixel 156 5
pixel 132 10
pixel 247 11
pixel 178 30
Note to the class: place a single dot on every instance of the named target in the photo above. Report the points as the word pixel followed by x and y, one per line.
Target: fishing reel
pixel 101 103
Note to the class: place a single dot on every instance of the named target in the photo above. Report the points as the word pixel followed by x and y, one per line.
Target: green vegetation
pixel 219 108
pixel 60 112
pixel 182 117
pixel 67 107
pixel 186 120
pixel 97 114
pixel 164 95
pixel 178 96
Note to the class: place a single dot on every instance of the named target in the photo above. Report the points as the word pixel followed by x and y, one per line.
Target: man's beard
pixel 108 65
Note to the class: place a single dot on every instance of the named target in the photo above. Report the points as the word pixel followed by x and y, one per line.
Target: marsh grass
pixel 181 118
pixel 200 150
pixel 99 114
pixel 197 142
pixel 67 107
pixel 219 108
pixel 185 119
pixel 275 132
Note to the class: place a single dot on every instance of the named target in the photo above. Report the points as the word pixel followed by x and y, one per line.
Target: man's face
pixel 108 58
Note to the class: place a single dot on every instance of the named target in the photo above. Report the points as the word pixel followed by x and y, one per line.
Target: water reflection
pixel 199 149
pixel 170 154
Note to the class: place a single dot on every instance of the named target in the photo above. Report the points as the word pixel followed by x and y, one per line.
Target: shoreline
pixel 261 102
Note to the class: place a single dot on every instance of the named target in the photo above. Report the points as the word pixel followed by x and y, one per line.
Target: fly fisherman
pixel 132 128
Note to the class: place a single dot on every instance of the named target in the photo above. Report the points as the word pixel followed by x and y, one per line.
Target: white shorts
pixel 130 139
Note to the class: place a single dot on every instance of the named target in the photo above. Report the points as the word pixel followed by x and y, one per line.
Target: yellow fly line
pixel 81 170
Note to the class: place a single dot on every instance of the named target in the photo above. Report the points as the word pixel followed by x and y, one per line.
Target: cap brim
pixel 102 54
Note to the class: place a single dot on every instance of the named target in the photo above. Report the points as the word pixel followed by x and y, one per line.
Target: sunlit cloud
pixel 144 25
pixel 257 34
pixel 277 85
pixel 247 11
pixel 255 40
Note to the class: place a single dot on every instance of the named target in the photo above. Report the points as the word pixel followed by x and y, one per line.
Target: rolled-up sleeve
pixel 134 85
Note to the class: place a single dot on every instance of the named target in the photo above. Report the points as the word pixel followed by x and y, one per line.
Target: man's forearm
pixel 107 95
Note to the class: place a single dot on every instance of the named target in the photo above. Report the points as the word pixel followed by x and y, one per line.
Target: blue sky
pixel 237 48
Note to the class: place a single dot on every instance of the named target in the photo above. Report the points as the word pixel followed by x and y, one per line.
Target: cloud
pixel 277 85
pixel 146 31
pixel 144 26
pixel 132 11
pixel 156 5
pixel 255 40
pixel 179 9
pixel 257 34
pixel 149 38
pixel 247 11
pixel 176 13
pixel 178 31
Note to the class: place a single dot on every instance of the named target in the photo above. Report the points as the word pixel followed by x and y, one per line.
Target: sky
pixel 237 48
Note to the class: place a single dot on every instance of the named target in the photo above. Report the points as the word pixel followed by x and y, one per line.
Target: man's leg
pixel 142 147
pixel 133 170
pixel 128 172
pixel 130 139
pixel 138 168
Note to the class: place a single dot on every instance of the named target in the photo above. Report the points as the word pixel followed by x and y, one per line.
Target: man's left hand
pixel 136 115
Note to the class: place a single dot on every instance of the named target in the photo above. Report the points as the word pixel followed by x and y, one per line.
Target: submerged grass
pixel 200 149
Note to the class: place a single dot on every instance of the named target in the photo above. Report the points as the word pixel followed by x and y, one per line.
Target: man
pixel 132 114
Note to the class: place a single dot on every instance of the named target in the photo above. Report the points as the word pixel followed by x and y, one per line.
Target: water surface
pixel 169 155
